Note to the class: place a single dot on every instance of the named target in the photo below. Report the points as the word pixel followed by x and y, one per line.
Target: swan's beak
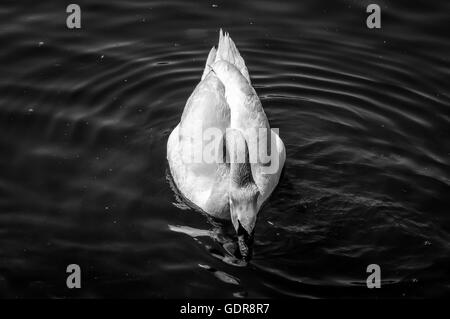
pixel 244 223
pixel 245 241
pixel 243 212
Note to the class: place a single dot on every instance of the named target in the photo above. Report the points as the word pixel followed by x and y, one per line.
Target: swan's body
pixel 224 99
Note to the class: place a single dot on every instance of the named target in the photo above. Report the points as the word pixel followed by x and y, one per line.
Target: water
pixel 85 116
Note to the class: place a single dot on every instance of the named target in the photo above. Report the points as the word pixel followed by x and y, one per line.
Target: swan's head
pixel 243 191
pixel 243 211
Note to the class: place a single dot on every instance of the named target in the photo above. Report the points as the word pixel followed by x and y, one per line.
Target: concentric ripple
pixel 85 116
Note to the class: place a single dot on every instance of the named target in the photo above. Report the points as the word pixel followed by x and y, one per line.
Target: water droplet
pixel 223 276
pixel 240 294
pixel 204 266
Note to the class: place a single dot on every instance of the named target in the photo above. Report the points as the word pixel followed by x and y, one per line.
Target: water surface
pixel 85 116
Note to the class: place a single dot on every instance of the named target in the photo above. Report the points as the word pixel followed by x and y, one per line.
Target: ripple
pixel 85 116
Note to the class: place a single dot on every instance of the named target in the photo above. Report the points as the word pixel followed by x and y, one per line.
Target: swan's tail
pixel 226 51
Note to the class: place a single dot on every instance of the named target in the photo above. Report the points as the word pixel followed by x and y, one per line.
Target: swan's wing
pixel 241 97
pixel 247 115
pixel 267 177
pixel 205 108
pixel 196 177
pixel 209 61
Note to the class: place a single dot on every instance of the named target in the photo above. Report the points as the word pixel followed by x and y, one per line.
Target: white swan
pixel 236 187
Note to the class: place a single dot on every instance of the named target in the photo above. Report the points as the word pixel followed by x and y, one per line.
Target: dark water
pixel 85 116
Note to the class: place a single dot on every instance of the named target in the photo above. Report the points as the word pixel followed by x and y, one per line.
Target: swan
pixel 236 183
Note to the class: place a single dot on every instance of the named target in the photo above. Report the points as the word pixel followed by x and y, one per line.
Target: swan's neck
pixel 240 175
pixel 238 157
